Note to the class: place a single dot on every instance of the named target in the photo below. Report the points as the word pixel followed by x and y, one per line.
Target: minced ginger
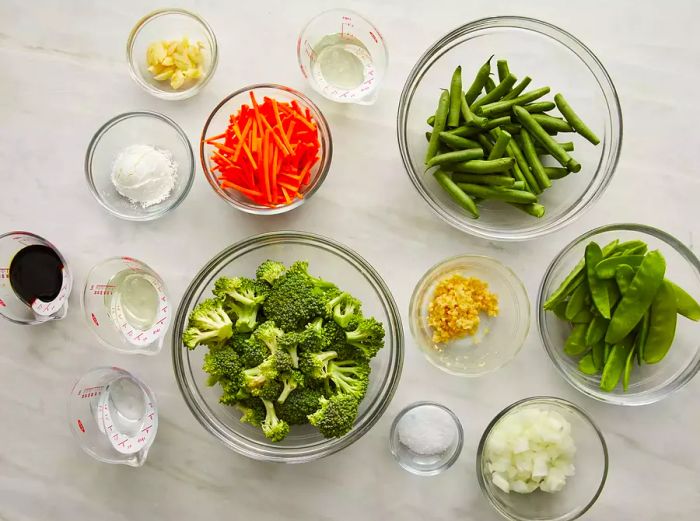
pixel 454 310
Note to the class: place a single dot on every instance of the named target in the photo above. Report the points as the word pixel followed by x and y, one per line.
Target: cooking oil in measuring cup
pixel 134 299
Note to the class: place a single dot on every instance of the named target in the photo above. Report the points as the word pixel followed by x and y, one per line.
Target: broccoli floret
pixel 298 405
pixel 270 390
pixel 336 415
pixel 242 297
pixel 290 381
pixel 222 363
pixel 367 337
pixel 269 271
pixel 294 301
pixel 349 377
pixel 269 334
pixel 208 324
pixel 273 428
pixel 237 342
pixel 315 365
pixel 344 309
pixel 302 268
pixel 252 411
pixel 253 352
pixel 290 343
pixel 232 391
pixel 257 376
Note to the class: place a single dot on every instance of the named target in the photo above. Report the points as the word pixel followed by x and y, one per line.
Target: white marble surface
pixel 64 73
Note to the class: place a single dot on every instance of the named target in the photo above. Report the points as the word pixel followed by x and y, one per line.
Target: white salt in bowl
pixel 137 128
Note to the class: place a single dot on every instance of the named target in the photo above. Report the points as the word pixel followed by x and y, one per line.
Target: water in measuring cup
pixel 342 67
pixel 134 297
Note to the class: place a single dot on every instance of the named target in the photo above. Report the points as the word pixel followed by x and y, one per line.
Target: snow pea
pixel 598 354
pixel 559 310
pixel 577 301
pixel 596 330
pixel 639 249
pixel 586 364
pixel 438 125
pixel 629 363
pixel 605 269
pixel 455 96
pixel 615 364
pixel 638 297
pixel 687 305
pixel 641 340
pixel 582 317
pixel 575 345
pixel 606 352
pixel 599 292
pixel 624 274
pixel 613 293
pixel 662 324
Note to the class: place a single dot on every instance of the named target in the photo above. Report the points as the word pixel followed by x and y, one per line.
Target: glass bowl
pixel 137 128
pixel 425 464
pixel 329 260
pixel 581 490
pixel 170 24
pixel 648 383
pixel 218 120
pixel 498 338
pixel 552 57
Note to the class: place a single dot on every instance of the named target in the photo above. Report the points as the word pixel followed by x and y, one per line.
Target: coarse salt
pixel 427 430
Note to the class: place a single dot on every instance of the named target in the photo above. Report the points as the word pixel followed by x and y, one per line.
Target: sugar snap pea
pixel 479 81
pixel 498 193
pixel 605 269
pixel 552 123
pixel 662 324
pixel 483 179
pixel 686 305
pixel 582 317
pixel 586 364
pixel 456 156
pixel 458 142
pixel 577 301
pixel 638 297
pixel 455 96
pixel 534 209
pixel 514 151
pixel 539 107
pixel 615 364
pixel 462 199
pixel 499 107
pixel 624 274
pixel 483 166
pixel 555 172
pixel 534 161
pixel 439 125
pixel 575 121
pixel 575 346
pixel 499 147
pixel 596 330
pixel 545 139
pixel 599 292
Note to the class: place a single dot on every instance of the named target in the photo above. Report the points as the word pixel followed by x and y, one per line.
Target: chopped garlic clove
pixel 178 78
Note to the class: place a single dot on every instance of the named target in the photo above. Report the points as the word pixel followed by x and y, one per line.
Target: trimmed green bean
pixel 517 89
pixel 568 146
pixel 465 131
pixel 555 172
pixel 514 151
pixel 495 94
pixel 461 198
pixel 477 166
pixel 606 268
pixel 499 147
pixel 534 209
pixel 485 143
pixel 456 156
pixel 457 142
pixel 551 123
pixel 484 179
pixel 512 128
pixel 479 81
pixel 499 107
pixel 575 121
pixel 498 193
pixel 489 85
pixel 599 292
pixel 519 185
pixel 534 161
pixel 455 96
pixel 502 68
pixel 687 305
pixel 470 119
pixel 662 323
pixel 541 106
pixel 545 139
pixel 439 125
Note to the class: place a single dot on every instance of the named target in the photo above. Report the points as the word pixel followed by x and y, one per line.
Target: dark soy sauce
pixel 35 273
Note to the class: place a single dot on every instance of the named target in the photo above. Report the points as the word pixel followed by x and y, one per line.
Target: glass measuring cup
pixel 126 305
pixel 35 281
pixel 343 56
pixel 113 416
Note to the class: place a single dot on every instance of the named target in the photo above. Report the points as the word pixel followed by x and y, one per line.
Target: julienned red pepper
pixel 267 151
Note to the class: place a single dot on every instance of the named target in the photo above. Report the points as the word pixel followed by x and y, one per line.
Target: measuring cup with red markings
pixel 113 416
pixel 126 305
pixel 35 281
pixel 343 56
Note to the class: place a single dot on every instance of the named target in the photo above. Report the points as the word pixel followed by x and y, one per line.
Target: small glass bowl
pixel 137 128
pixel 581 490
pixel 170 24
pixel 551 56
pixel 422 464
pixel 218 120
pixel 498 338
pixel 648 383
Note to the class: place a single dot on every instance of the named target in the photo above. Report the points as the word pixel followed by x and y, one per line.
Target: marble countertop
pixel 64 74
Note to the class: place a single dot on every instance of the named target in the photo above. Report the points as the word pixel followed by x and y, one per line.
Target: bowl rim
pixel 95 140
pixel 325 137
pixel 646 397
pixel 159 93
pixel 421 282
pixel 564 38
pixel 213 425
pixel 520 404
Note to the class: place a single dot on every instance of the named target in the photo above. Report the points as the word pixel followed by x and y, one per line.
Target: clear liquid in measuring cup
pixel 135 298
pixel 342 67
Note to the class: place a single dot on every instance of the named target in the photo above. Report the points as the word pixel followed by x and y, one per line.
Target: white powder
pixel 427 430
pixel 144 174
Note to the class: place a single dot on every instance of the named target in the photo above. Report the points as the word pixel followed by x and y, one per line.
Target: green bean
pixel 477 166
pixel 456 156
pixel 540 106
pixel 465 131
pixel 568 146
pixel 559 309
pixel 628 368
pixel 512 128
pixel 502 67
pixel 518 175
pixel 575 121
pixel 498 193
pixel 534 161
pixel 489 85
pixel 605 269
pixel 582 317
pixel 552 123
pixel 624 274
pixel 598 352
pixel 457 142
pixel 586 364
pixel 519 185
pixel 687 305
pixel 470 119
pixel 496 94
pixel 577 301
pixel 642 335
pixel 499 147
pixel 615 365
pixel 534 209
pixel 662 323
pixel 455 96
pixel 431 120
pixel 638 297
pixel 517 89
pixel 479 81
pixel 545 139
pixel 439 126
pixel 462 199
pixel 555 172
pixel 596 330
pixel 485 143
pixel 514 151
pixel 599 292
pixel 506 106
pixel 484 179
pixel 574 345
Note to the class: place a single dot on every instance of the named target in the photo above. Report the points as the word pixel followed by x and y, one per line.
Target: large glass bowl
pixel 581 490
pixel 329 260
pixel 648 383
pixel 218 120
pixel 550 56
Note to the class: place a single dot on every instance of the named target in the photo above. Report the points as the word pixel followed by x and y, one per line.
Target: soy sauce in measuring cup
pixel 36 273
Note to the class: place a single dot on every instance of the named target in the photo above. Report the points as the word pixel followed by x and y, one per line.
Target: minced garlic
pixel 454 309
